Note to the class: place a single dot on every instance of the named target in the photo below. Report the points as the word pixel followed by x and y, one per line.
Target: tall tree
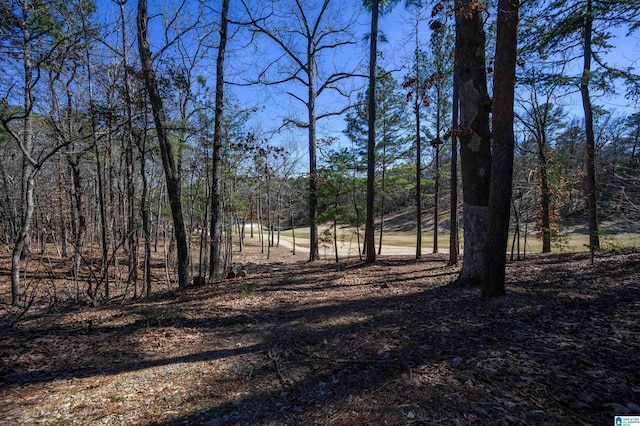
pixel 391 128
pixel 504 80
pixel 36 33
pixel 334 191
pixel 376 7
pixel 216 187
pixel 541 116
pixel 441 46
pixel 454 242
pixel 369 231
pixel 585 27
pixel 166 150
pixel 416 92
pixel 473 134
pixel 305 41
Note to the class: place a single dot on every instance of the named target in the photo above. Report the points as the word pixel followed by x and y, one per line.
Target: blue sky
pixel 272 104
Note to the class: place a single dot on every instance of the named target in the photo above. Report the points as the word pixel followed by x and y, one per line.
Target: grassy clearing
pixel 394 242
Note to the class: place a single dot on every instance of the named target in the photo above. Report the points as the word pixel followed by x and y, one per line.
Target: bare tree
pixel 541 116
pixel 216 188
pixel 32 33
pixel 166 150
pixel 306 39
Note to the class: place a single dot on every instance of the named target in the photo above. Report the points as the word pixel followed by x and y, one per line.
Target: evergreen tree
pixel 584 28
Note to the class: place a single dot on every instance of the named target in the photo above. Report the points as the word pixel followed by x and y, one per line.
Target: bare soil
pixel 296 343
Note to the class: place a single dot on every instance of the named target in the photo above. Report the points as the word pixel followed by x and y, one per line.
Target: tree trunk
pixel 416 110
pixel 436 192
pixel 104 272
pixel 145 207
pixel 369 237
pixel 453 209
pixel 21 247
pixel 132 240
pixel 382 196
pixel 78 219
pixel 314 250
pixel 474 137
pixel 504 79
pixel 545 194
pixel 335 235
pixel 171 177
pixel 21 240
pixel 594 239
pixel 216 193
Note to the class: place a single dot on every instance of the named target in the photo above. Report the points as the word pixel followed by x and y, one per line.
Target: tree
pixel 391 129
pixel 541 118
pixel 585 26
pixel 166 150
pixel 334 191
pixel 35 32
pixel 504 79
pixel 369 240
pixel 216 195
pixel 417 94
pixel 305 41
pixel 376 7
pixel 442 45
pixel 474 135
pixel 454 242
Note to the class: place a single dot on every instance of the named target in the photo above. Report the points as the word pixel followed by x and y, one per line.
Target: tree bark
pixel 545 195
pixel 474 137
pixel 132 240
pixel 168 162
pixel 383 189
pixel 416 110
pixel 504 79
pixel 369 237
pixel 314 250
pixel 436 192
pixel 216 192
pixel 453 209
pixel 21 246
pixel 594 239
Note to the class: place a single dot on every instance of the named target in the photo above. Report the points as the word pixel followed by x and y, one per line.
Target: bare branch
pixel 335 113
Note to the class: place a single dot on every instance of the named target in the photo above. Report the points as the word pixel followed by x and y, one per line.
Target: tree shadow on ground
pixel 557 348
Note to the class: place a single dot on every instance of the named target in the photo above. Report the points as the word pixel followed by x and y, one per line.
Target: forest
pixel 319 212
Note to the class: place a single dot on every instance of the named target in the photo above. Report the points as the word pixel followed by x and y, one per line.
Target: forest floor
pixel 393 343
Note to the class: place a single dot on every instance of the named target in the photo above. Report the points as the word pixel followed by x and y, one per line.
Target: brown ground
pixel 319 344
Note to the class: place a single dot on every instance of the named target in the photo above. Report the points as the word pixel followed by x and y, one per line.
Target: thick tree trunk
pixel 216 189
pixel 504 79
pixel 474 137
pixel 594 239
pixel 168 162
pixel 369 237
